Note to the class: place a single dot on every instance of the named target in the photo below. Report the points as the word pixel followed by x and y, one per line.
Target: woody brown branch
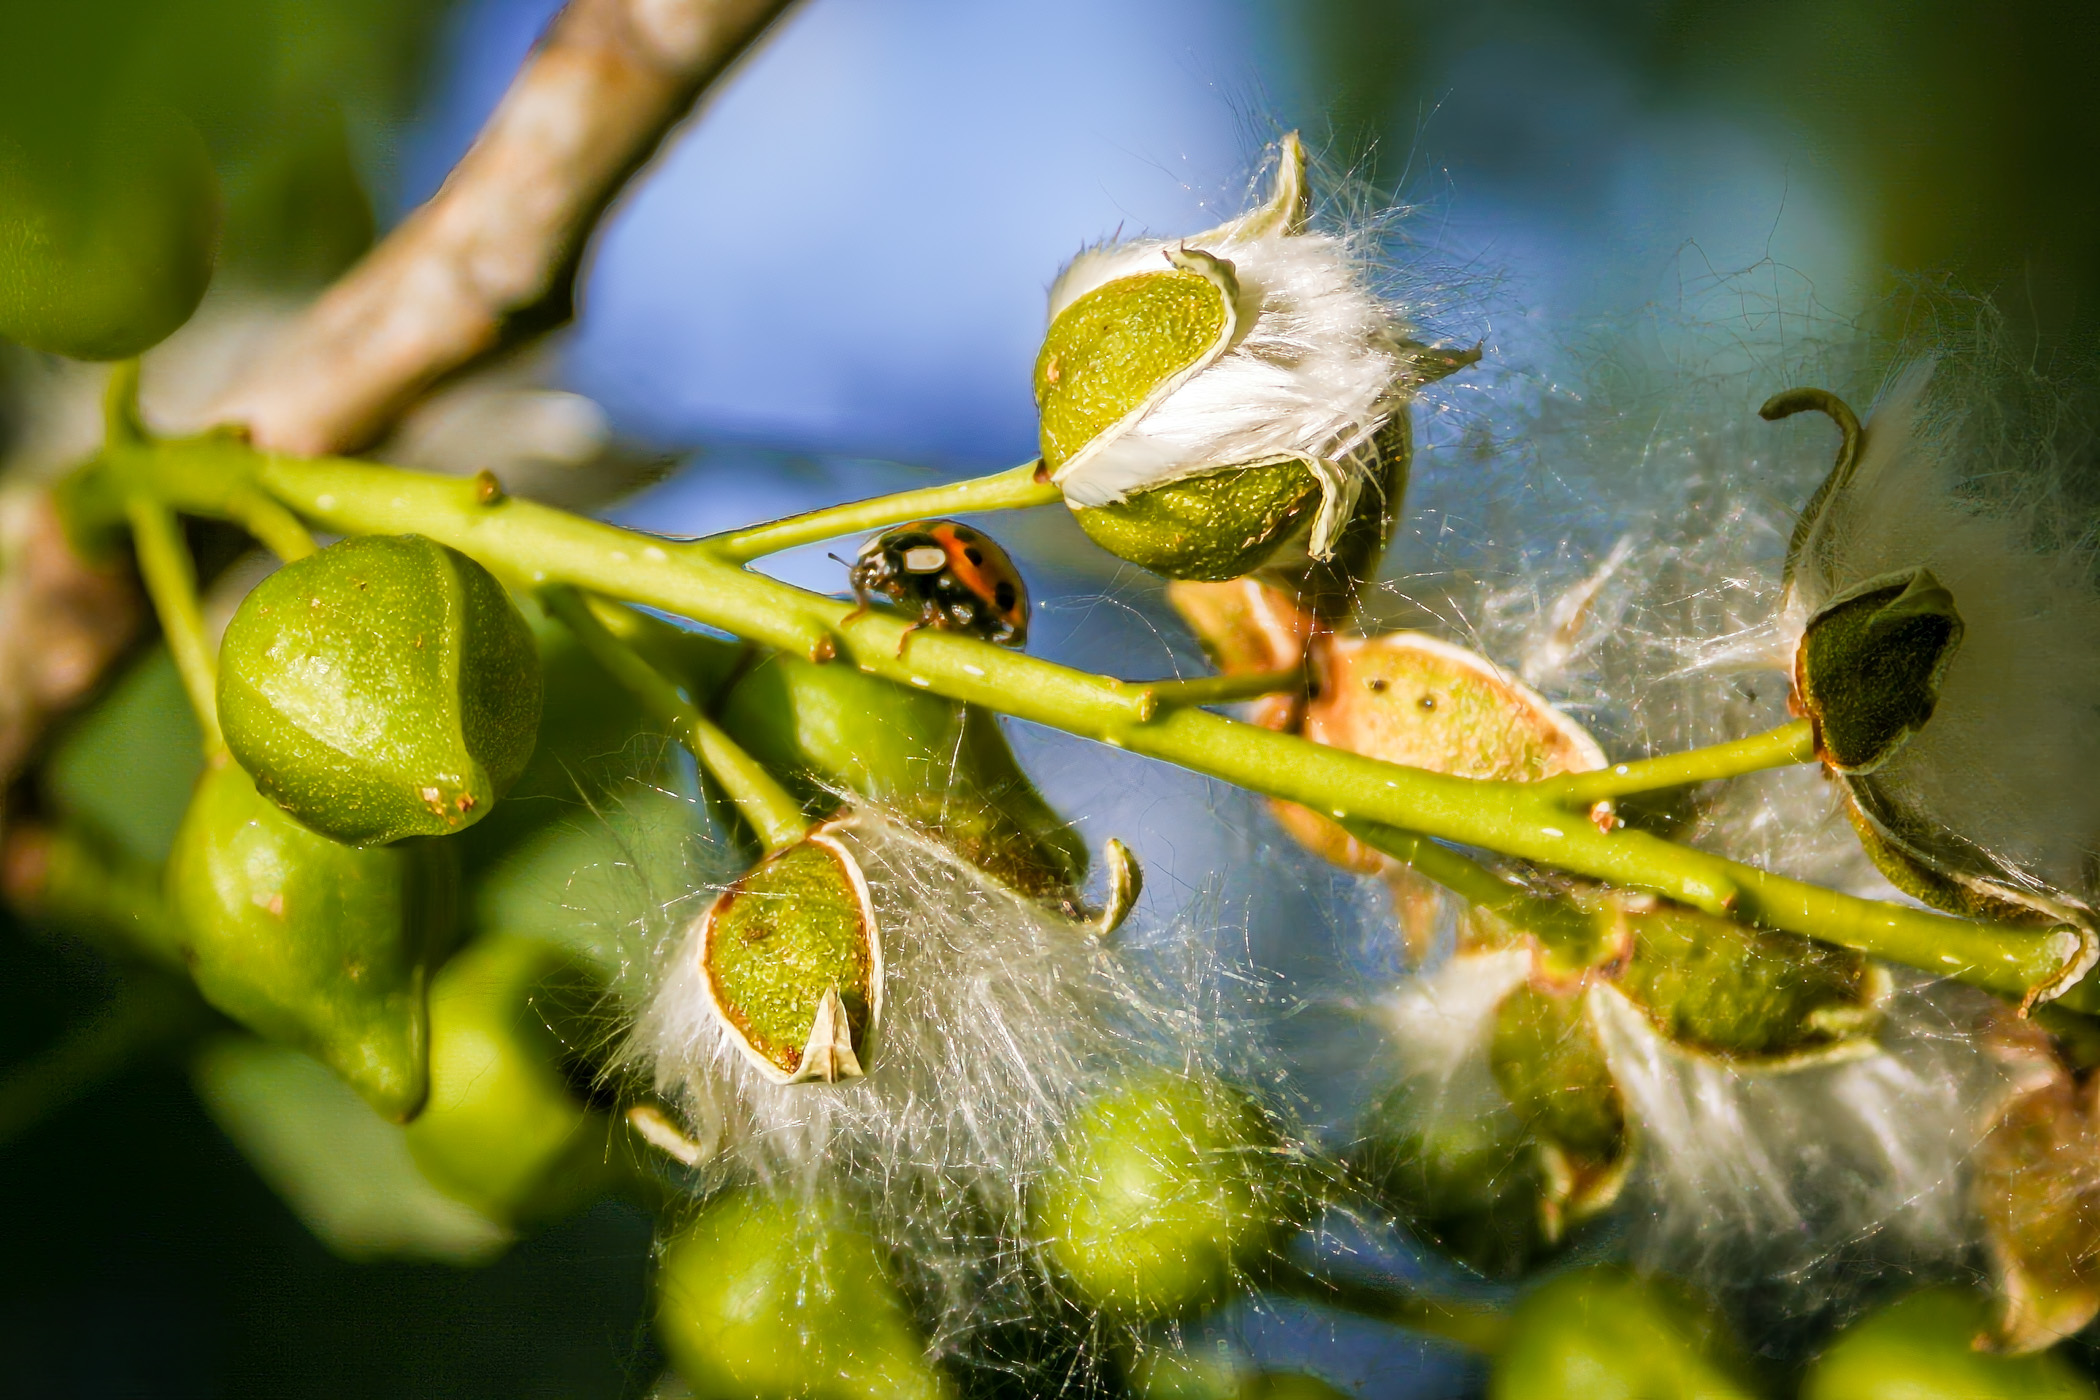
pixel 503 236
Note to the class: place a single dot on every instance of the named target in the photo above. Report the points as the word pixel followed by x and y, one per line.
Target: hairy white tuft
pixel 1790 1172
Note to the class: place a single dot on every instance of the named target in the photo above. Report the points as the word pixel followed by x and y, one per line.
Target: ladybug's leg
pixel 931 614
pixel 860 596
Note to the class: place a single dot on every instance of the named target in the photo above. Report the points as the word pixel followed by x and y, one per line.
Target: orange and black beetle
pixel 952 576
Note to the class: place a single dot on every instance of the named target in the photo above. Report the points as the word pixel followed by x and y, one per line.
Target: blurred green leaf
pixel 345 1171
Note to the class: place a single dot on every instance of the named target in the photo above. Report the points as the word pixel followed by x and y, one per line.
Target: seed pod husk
pixel 767 1295
pixel 504 1130
pixel 791 957
pixel 383 688
pixel 1603 1333
pixel 1550 1067
pixel 2039 1197
pixel 1924 1347
pixel 1170 1190
pixel 1870 664
pixel 937 764
pixel 310 942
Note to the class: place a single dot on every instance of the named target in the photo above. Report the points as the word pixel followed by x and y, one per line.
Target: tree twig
pixel 502 238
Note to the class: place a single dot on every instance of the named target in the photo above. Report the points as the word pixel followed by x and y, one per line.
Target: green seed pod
pixel 109 222
pixel 311 942
pixel 767 1297
pixel 1717 987
pixel 1553 1072
pixel 1464 1177
pixel 385 687
pixel 504 1131
pixel 1925 1348
pixel 792 961
pixel 1963 741
pixel 1602 1333
pixel 1169 1190
pixel 1187 1376
pixel 942 766
pixel 1219 525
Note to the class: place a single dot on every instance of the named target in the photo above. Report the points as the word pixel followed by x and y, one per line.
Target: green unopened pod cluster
pixel 772 1297
pixel 1218 403
pixel 791 961
pixel 940 765
pixel 310 942
pixel 1933 1345
pixel 383 688
pixel 1171 1188
pixel 109 222
pixel 1603 1333
pixel 505 1130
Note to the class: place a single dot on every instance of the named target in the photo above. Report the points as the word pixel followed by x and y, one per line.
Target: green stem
pixel 277 528
pixel 1775 748
pixel 772 813
pixel 547 546
pixel 1476 1328
pixel 1013 489
pixel 1218 690
pixel 1557 923
pixel 171 581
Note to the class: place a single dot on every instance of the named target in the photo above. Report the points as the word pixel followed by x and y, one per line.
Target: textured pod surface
pixel 1218 525
pixel 773 1297
pixel 385 687
pixel 792 961
pixel 1870 665
pixel 1170 1188
pixel 1125 345
pixel 1603 1333
pixel 311 942
pixel 503 1130
pixel 941 766
pixel 1717 986
pixel 109 224
pixel 1924 1348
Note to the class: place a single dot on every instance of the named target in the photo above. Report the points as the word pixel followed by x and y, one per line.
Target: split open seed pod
pixel 791 962
pixel 1215 403
pixel 1949 646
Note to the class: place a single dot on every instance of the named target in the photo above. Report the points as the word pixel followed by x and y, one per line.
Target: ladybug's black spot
pixel 974 555
pixel 1003 595
pixel 967 536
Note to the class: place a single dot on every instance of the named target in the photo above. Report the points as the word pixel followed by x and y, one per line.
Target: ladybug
pixel 955 577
